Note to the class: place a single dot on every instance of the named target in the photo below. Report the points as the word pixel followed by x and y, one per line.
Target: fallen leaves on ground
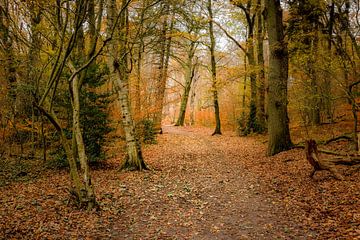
pixel 200 187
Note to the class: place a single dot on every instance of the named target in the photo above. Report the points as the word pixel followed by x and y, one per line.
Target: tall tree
pixel 120 66
pixel 251 12
pixel 261 114
pixel 164 55
pixel 189 32
pixel 6 41
pixel 278 121
pixel 189 66
pixel 304 25
pixel 82 189
pixel 213 70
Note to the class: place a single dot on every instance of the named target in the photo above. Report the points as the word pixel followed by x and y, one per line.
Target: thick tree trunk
pixel 213 71
pixel 278 122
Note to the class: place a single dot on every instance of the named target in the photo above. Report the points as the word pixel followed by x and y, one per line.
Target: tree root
pixel 318 164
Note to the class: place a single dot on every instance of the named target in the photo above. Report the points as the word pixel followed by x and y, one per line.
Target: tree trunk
pixel 192 103
pixel 328 104
pixel 252 125
pixel 278 122
pixel 213 71
pixel 163 70
pixel 134 159
pixel 78 187
pixel 261 72
pixel 32 66
pixel 190 68
pixel 89 196
pixel 9 60
pixel 189 76
pixel 137 94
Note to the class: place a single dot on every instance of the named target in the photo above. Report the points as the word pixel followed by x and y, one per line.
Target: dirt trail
pixel 201 189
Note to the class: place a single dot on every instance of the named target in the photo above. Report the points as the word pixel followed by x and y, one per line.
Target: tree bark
pixel 190 69
pixel 9 59
pixel 213 71
pixel 278 122
pixel 163 69
pixel 318 164
pixel 260 114
pixel 134 159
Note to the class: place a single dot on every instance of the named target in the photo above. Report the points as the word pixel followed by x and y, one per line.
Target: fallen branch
pixel 345 136
pixel 300 146
pixel 349 162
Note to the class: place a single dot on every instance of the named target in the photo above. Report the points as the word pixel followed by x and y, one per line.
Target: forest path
pixel 201 189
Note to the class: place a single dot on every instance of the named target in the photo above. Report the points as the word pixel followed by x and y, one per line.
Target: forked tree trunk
pixel 190 68
pixel 78 189
pixel 189 76
pixel 89 195
pixel 278 122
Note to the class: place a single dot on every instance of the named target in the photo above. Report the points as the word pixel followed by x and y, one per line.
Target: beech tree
pixel 81 180
pixel 278 121
pixel 119 69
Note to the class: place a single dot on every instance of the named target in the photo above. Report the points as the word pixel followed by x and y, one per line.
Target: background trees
pixel 87 67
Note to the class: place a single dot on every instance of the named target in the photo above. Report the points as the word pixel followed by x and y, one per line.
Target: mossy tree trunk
pixel 278 122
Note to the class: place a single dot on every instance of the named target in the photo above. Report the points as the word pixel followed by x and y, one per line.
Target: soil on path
pixel 200 187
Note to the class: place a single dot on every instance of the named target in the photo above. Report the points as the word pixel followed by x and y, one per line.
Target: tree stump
pixel 312 155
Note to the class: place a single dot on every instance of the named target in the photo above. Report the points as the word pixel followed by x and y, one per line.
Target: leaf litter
pixel 200 187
